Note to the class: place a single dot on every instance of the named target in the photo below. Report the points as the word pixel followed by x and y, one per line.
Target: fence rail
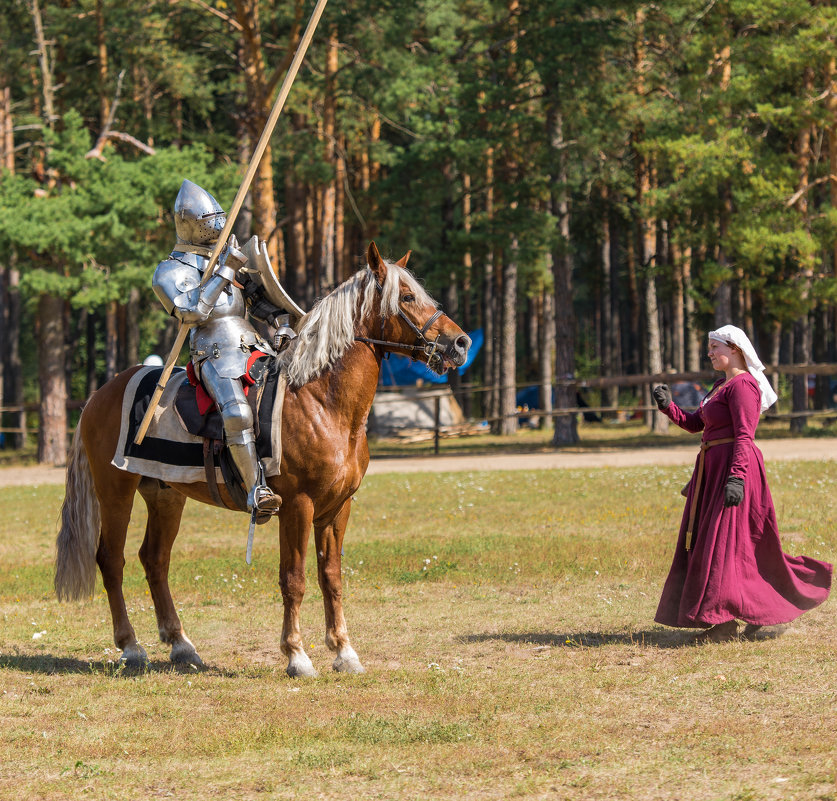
pixel 603 382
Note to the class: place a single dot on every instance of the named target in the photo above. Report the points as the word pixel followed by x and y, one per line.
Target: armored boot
pixel 238 427
pixel 260 497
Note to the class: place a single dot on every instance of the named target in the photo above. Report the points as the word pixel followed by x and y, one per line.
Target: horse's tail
pixel 75 560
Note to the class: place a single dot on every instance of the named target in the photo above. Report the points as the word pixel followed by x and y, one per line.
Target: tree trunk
pixel 259 92
pixel 370 171
pixel 678 311
pixel 723 292
pixel 44 62
pixel 491 377
pixel 91 379
pixel 132 313
pixel 312 254
pixel 7 140
pixel 295 205
pixel 102 65
pixel 775 353
pixel 12 392
pixel 801 326
pixel 464 396
pixel 633 363
pixel 4 336
pixel 610 317
pixel 530 322
pixel 111 340
pixel 801 355
pixel 329 191
pixel 690 263
pixel 243 228
pixel 508 341
pixel 52 434
pixel 546 355
pixel 566 425
pixel 648 255
pixel 829 323
pixel 341 256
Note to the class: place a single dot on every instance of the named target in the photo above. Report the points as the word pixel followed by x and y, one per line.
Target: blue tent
pixel 401 371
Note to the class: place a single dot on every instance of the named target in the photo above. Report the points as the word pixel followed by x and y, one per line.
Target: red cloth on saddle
pixel 203 398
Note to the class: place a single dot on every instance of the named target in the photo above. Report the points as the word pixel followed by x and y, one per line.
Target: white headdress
pixel 732 335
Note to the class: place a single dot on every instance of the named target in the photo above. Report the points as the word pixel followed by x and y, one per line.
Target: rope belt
pixel 704 446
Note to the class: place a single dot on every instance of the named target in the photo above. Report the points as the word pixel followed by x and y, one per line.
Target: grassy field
pixel 506 624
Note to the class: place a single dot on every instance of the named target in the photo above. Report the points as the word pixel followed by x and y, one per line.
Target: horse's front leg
pixel 165 510
pixel 329 541
pixel 295 520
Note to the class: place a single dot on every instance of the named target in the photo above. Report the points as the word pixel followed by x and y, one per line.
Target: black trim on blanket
pixel 189 454
pixel 154 449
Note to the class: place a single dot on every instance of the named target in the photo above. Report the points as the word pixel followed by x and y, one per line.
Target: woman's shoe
pixel 722 632
pixel 754 632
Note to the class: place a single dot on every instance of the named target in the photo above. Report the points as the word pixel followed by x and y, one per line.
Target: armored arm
pixel 178 286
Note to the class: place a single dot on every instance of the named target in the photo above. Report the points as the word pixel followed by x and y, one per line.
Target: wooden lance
pixel 183 331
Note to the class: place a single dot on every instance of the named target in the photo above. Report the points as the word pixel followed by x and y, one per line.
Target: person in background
pixel 728 564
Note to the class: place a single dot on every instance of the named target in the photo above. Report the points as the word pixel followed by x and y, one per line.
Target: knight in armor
pixel 222 339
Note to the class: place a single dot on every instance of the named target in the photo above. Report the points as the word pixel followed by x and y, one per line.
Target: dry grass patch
pixel 519 661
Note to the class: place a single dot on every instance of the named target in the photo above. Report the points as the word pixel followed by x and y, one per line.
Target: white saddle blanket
pixel 168 452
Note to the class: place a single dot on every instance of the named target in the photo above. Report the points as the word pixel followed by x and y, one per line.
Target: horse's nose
pixel 462 343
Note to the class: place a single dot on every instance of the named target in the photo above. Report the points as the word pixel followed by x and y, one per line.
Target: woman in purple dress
pixel 729 564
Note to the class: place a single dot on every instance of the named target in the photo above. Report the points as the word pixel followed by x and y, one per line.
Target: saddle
pixel 200 416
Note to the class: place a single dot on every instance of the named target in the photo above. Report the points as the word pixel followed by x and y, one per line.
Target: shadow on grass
pixel 654 638
pixel 49 665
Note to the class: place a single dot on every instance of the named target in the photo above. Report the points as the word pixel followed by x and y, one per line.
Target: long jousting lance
pixel 183 331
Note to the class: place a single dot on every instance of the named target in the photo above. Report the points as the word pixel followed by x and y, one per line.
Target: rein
pixel 422 345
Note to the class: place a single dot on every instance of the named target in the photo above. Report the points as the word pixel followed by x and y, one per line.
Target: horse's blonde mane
pixel 328 330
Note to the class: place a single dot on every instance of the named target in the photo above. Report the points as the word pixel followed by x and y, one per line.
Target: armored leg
pixel 238 428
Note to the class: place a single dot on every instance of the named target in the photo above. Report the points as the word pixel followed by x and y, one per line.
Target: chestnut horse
pixel 332 368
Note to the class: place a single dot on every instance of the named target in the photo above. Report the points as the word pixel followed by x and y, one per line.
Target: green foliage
pixel 550 95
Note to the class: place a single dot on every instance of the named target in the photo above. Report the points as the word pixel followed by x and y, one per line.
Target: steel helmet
pixel 198 217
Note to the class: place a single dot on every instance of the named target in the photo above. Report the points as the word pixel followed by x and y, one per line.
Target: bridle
pixel 422 344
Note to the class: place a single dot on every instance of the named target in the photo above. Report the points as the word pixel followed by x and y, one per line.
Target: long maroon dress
pixel 736 567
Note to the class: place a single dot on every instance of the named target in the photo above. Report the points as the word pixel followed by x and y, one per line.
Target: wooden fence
pixel 605 382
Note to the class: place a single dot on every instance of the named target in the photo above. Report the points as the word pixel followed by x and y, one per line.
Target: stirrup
pixel 263 500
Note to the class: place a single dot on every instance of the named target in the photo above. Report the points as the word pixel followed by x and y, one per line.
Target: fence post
pixel 436 418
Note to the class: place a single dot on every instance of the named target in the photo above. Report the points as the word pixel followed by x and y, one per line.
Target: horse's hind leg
pixel 115 508
pixel 165 509
pixel 329 540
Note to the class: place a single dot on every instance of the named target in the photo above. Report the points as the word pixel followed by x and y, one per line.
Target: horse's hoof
pixel 134 656
pixel 185 654
pixel 300 667
pixel 351 665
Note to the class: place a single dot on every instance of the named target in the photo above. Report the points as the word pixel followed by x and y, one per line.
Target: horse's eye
pixel 408 298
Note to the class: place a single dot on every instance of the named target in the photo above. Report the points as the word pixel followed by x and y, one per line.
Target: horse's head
pixel 411 322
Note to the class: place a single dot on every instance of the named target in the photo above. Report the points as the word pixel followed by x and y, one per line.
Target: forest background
pixel 592 184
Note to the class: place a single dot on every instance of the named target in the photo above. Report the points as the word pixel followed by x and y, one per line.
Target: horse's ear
pixel 376 263
pixel 402 262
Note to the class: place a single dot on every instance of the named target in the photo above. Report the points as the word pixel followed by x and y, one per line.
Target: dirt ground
pixel 773 450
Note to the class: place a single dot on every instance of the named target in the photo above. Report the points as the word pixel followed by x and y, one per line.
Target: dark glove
pixel 734 491
pixel 662 396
